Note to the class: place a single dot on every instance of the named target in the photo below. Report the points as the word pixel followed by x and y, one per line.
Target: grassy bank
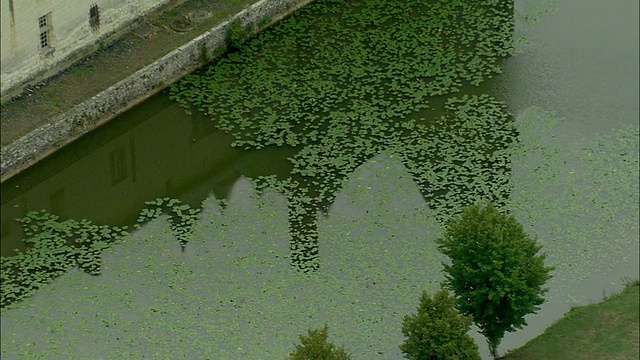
pixel 607 330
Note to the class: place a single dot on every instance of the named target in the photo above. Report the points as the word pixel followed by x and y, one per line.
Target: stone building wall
pixel 134 89
pixel 39 37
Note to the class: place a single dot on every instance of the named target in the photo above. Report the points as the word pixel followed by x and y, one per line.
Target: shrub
pixel 438 331
pixel 314 346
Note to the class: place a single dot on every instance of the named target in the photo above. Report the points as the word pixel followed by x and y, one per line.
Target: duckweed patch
pixel 54 247
pixel 181 217
pixel 233 293
pixel 582 203
pixel 528 14
pixel 362 78
pixel 389 57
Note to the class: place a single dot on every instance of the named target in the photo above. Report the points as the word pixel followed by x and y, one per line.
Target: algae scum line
pixel 304 178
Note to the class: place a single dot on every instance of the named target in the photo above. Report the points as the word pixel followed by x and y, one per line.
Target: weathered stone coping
pixel 100 109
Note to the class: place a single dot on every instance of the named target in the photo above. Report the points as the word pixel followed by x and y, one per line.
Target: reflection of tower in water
pixel 460 160
pixel 456 148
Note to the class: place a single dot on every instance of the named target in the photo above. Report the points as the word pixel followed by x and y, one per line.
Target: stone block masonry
pixel 118 98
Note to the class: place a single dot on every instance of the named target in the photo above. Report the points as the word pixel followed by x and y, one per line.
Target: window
pixel 44 24
pixel 201 127
pixel 94 17
pixel 42 21
pixel 118 165
pixel 44 39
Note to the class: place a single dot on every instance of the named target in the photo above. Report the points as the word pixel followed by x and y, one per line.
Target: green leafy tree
pixel 495 270
pixel 314 346
pixel 438 331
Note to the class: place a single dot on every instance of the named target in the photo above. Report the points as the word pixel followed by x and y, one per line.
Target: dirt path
pixel 113 62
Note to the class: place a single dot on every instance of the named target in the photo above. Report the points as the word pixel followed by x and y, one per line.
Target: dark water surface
pixel 154 150
pixel 573 90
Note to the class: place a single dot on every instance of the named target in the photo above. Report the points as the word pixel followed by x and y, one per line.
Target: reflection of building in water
pixel 151 151
pixel 56 201
pixel 40 38
pixel 118 164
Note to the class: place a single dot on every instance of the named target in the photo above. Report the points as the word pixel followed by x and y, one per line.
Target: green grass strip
pixel 607 330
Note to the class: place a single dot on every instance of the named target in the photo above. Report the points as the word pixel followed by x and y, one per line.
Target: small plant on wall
pixel 237 34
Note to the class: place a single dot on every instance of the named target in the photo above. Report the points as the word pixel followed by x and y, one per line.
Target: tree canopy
pixel 438 331
pixel 495 270
pixel 314 346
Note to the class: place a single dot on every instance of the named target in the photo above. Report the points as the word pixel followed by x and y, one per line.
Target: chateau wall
pixel 134 89
pixel 39 38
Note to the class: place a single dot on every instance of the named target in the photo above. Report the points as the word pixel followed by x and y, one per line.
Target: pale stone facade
pixel 116 99
pixel 39 37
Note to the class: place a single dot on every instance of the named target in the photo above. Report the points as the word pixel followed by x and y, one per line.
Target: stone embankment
pixel 116 99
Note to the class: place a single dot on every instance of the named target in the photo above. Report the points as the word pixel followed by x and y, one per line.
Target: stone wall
pixel 134 89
